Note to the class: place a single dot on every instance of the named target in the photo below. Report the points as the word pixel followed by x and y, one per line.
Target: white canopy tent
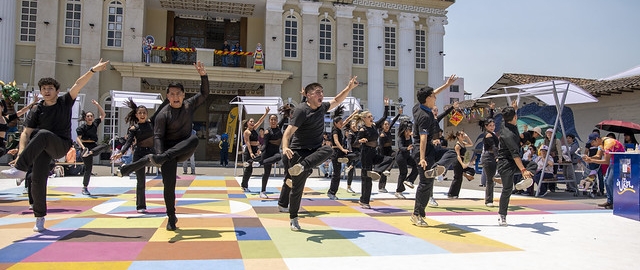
pixel 149 100
pixel 350 103
pixel 554 93
pixel 252 105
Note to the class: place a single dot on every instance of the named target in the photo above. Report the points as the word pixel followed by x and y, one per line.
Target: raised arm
pixel 446 85
pixel 340 97
pixel 82 81
pixel 266 112
pixel 24 110
pixel 201 97
pixel 100 110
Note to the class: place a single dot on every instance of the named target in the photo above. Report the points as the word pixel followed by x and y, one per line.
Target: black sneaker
pixel 85 191
pixel 171 223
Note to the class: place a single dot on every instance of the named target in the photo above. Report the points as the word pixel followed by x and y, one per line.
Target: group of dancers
pixel 165 139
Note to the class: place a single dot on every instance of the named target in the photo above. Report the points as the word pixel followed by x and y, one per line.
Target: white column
pixel 406 57
pixel 91 43
pixel 46 40
pixel 8 40
pixel 344 35
pixel 435 51
pixel 273 28
pixel 132 40
pixel 310 30
pixel 375 61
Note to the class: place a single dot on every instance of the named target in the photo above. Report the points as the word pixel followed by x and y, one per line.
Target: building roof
pixel 595 87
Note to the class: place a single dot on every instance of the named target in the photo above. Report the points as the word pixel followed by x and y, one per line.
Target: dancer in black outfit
pixel 305 151
pixel 353 145
pixel 339 150
pixel 140 131
pixel 271 150
pixel 52 120
pixel 88 140
pixel 489 153
pixel 252 150
pixel 6 119
pixel 385 148
pixel 459 168
pixel 368 136
pixel 173 141
pixel 404 159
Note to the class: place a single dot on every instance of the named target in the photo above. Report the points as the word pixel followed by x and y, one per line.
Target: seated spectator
pixel 326 168
pixel 542 169
pixel 629 141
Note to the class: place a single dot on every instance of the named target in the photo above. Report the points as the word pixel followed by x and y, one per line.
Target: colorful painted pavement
pixel 220 227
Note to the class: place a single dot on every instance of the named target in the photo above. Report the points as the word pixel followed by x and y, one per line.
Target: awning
pixel 548 91
pixel 149 100
pixel 350 103
pixel 256 105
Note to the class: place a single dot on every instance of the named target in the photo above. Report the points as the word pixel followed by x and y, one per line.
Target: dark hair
pixel 424 93
pixel 404 126
pixel 508 114
pixel 337 114
pixel 286 110
pixel 311 87
pixel 483 123
pixel 454 135
pixel 176 85
pixel 49 81
pixel 596 130
pixel 83 115
pixel 572 136
pixel 631 137
pixel 611 135
pixel 131 117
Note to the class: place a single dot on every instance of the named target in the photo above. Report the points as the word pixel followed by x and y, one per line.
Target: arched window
pixel 326 31
pixel 115 19
pixel 291 36
pixel 72 19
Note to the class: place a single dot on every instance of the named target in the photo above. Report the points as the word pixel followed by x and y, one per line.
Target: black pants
pixel 354 158
pixel 249 169
pixel 425 186
pixel 309 158
pixel 456 184
pixel 177 151
pixel 269 157
pixel 96 149
pixel 385 151
pixel 141 178
pixel 404 160
pixel 507 169
pixel 488 171
pixel 37 155
pixel 370 157
pixel 224 157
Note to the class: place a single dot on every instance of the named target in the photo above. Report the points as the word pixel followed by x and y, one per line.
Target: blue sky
pixel 574 38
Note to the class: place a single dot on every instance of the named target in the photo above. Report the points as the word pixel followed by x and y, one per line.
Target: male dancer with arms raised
pixel 47 136
pixel 302 144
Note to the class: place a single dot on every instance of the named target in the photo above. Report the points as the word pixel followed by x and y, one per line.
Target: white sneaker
pixel 408 184
pixel 295 226
pixel 435 171
pixel 255 164
pixel 14 173
pixel 31 207
pixel 332 196
pixel 142 211
pixel 386 173
pixel 489 204
pixel 502 220
pixel 524 184
pixel 296 170
pixel 382 190
pixel 348 169
pixel 418 221
pixel 343 160
pixel 432 202
pixel 283 209
pixel 39 224
pixel 439 178
pixel 19 181
pixel 350 190
pixel 374 175
pixel 246 164
pixel 288 182
pixel 399 195
pixel 263 195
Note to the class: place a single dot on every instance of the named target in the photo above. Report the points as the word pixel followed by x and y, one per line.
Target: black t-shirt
pixel 8 119
pixel 89 132
pixel 139 132
pixel 55 118
pixel 310 124
pixel 424 123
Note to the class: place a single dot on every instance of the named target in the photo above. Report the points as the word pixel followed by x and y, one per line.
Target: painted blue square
pixel 236 196
pixel 252 233
pixel 19 251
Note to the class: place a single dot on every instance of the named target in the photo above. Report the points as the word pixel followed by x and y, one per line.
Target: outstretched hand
pixel 451 79
pixel 200 68
pixel 102 65
pixel 353 82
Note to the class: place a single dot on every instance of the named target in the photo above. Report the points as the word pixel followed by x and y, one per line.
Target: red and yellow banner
pixel 221 52
pixel 161 48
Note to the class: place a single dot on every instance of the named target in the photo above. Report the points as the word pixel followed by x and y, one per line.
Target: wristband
pixel 92 71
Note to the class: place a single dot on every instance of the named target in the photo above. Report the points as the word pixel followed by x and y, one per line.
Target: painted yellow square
pixel 194 234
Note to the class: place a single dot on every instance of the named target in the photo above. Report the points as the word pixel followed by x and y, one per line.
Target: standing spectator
pixel 591 151
pixel 573 150
pixel 509 161
pixel 630 141
pixel 236 57
pixel 192 160
pixel 226 49
pixel 603 156
pixel 174 54
pixel 224 149
pixel 88 140
pixel 47 136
